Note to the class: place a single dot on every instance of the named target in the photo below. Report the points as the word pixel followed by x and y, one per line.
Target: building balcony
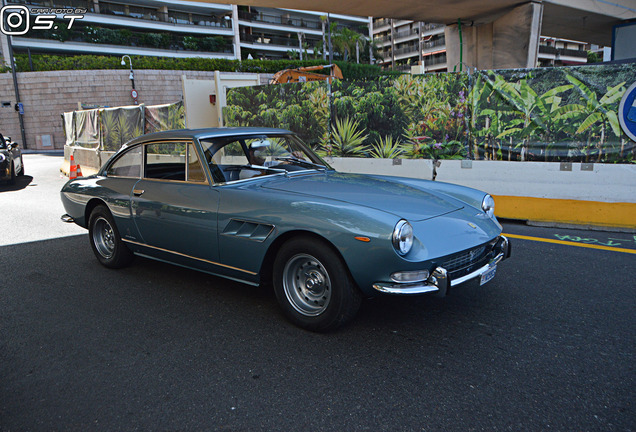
pixel 280 20
pixel 98 37
pixel 45 45
pixel 559 53
pixel 128 15
pixel 273 43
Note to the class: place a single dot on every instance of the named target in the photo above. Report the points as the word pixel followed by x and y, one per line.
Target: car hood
pixel 382 194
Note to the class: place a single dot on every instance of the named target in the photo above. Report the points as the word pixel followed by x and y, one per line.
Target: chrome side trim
pixel 189 256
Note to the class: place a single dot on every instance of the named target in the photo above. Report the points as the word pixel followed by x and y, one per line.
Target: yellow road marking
pixel 569 243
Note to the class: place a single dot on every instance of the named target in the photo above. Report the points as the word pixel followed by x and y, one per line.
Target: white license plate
pixel 486 277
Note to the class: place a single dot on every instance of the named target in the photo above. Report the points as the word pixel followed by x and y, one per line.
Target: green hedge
pixel 42 62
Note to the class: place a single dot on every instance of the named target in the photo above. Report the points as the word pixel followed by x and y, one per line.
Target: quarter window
pixel 128 164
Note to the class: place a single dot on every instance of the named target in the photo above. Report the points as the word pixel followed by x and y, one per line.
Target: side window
pixel 173 161
pixel 128 164
pixel 166 161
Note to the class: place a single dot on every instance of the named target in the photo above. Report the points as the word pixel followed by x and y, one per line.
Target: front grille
pixel 465 259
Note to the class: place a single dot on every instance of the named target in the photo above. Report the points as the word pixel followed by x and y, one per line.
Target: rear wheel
pixel 313 285
pixel 105 240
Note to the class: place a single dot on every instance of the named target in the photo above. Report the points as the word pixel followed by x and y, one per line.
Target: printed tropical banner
pixel 551 114
pixel 110 128
pixel 164 117
pixel 120 125
pixel 389 118
pixel 548 114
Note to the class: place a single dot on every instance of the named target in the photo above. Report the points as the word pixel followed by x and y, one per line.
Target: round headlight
pixel 488 205
pixel 2 157
pixel 403 237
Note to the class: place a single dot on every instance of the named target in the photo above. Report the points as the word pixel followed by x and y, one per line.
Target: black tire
pixel 313 286
pixel 105 240
pixel 11 180
pixel 21 172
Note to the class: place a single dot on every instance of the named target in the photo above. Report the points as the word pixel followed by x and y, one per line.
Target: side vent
pixel 248 230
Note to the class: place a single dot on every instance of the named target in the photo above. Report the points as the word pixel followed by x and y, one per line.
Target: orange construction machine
pixel 303 74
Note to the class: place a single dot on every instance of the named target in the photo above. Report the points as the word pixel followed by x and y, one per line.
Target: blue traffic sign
pixel 627 112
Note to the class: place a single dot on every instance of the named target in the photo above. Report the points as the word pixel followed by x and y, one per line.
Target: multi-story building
pixel 403 44
pixel 177 29
pixel 562 52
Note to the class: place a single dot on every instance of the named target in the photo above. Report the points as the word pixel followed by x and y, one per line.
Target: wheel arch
pixel 90 206
pixel 267 266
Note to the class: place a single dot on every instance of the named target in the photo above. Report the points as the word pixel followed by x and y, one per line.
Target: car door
pixel 116 188
pixel 173 205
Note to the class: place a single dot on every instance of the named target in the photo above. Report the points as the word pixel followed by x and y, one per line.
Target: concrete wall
pixel 46 95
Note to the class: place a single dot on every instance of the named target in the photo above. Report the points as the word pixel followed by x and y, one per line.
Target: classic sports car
pixel 259 206
pixel 11 163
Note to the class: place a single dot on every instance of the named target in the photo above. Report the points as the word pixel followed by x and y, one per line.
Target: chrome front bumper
pixel 438 282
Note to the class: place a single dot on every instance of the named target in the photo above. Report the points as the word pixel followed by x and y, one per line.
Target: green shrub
pixel 48 62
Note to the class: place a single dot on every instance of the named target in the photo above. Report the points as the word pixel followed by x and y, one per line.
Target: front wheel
pixel 313 285
pixel 106 242
pixel 12 174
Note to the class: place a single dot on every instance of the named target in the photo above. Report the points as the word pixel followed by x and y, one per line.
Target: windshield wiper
pixel 261 167
pixel 301 162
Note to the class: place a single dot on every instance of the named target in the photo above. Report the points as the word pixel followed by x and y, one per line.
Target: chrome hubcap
pixel 104 238
pixel 306 284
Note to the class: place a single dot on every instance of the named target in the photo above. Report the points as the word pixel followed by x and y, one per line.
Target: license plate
pixel 486 277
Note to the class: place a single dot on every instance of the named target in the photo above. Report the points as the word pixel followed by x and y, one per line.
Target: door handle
pixel 138 192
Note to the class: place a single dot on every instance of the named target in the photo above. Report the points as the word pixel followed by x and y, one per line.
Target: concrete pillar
pixel 4 50
pixel 510 41
pixel 163 13
pixel 237 35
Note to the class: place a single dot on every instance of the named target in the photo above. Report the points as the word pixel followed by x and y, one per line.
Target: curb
pixel 575 212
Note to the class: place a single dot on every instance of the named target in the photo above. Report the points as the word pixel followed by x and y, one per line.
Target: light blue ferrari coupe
pixel 259 206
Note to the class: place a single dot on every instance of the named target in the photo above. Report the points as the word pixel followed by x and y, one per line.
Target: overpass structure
pixel 488 34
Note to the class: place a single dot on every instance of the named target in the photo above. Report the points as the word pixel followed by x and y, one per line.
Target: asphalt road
pixel 546 345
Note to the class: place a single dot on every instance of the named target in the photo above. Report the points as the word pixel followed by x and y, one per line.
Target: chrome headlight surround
pixel 2 157
pixel 488 205
pixel 402 237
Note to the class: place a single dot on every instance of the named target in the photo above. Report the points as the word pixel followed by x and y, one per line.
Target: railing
pixel 434 59
pixel 280 20
pixel 382 22
pixel 434 43
pixel 407 50
pixel 134 11
pixel 271 40
pixel 131 38
pixel 404 34
pixel 431 26
pixel 544 49
pixel 83 4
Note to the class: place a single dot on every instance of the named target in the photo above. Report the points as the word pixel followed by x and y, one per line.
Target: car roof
pixel 190 134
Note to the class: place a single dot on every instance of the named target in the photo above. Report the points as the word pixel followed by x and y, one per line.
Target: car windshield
pixel 243 157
